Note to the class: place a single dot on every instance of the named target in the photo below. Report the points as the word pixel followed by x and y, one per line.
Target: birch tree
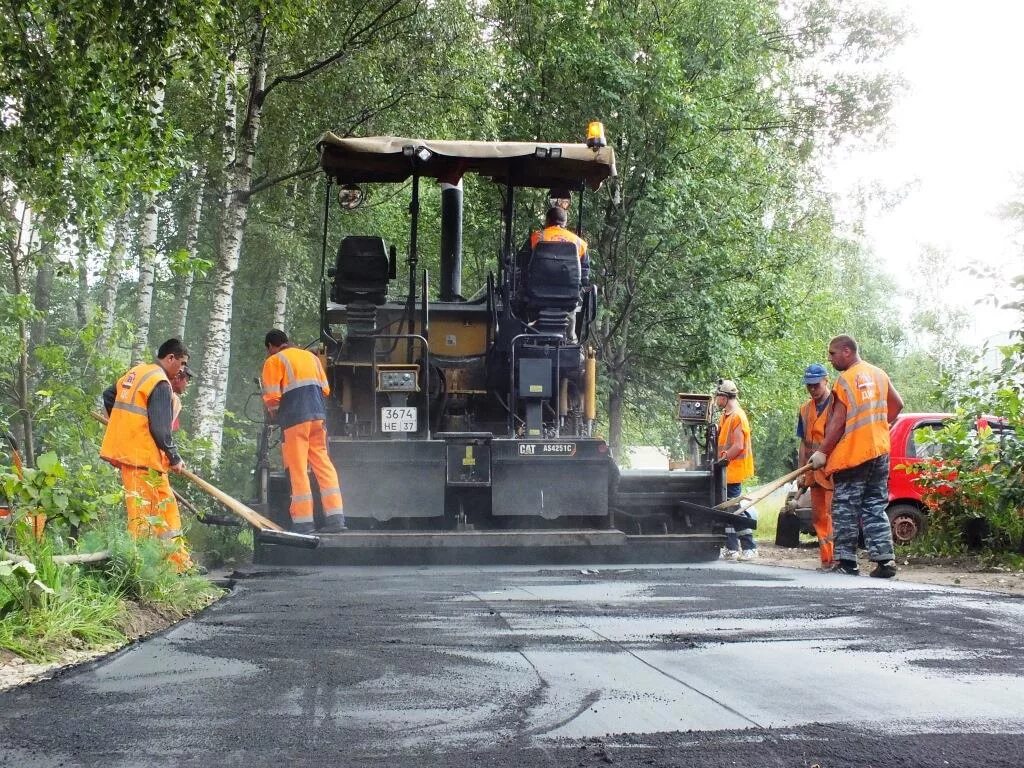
pixel 365 24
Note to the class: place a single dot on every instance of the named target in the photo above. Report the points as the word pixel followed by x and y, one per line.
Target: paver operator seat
pixel 362 271
pixel 551 285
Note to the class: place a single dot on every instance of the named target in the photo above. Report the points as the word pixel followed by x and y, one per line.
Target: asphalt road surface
pixel 725 664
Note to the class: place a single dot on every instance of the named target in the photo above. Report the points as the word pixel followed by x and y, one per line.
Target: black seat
pixel 362 270
pixel 552 277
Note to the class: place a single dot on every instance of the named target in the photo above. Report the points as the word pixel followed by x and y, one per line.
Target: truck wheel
pixel 907 523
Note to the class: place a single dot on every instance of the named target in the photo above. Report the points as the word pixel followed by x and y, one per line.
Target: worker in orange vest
pixel 139 442
pixel 294 387
pixel 555 231
pixel 810 429
pixel 855 453
pixel 736 449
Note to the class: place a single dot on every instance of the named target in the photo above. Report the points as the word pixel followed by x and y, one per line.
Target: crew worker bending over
pixel 294 387
pixel 138 441
pixel 810 428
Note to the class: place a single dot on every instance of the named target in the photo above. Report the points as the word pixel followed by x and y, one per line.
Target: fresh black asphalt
pixel 713 665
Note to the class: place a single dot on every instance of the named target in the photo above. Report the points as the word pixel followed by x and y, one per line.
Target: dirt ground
pixel 966 573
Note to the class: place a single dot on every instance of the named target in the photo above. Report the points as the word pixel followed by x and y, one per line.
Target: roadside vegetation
pixel 975 491
pixel 158 178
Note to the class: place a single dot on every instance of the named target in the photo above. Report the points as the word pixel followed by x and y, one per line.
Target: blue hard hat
pixel 814 373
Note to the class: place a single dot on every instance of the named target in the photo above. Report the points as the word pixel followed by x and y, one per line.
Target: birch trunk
pixel 238 178
pixel 184 292
pixel 41 297
pixel 147 277
pixel 107 307
pixel 147 250
pixel 183 296
pixel 16 251
pixel 281 297
pixel 82 266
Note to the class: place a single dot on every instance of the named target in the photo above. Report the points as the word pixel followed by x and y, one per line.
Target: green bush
pixel 70 498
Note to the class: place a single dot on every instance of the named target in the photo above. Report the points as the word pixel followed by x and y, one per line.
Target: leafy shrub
pixel 73 498
pixel 974 494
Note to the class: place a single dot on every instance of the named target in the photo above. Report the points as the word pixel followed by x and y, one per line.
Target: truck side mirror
pixel 392 262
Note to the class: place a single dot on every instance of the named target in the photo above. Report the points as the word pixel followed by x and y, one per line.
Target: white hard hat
pixel 727 387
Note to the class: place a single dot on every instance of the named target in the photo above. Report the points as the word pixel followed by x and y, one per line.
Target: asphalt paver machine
pixel 463 429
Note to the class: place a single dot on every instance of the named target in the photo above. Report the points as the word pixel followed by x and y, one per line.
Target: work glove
pixel 818 459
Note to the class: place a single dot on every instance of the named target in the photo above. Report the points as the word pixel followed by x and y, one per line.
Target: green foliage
pixel 975 492
pixel 139 570
pixel 79 83
pixel 72 498
pixel 19 587
pixel 978 485
pixel 51 606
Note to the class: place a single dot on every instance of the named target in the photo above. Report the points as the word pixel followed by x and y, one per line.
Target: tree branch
pixel 268 183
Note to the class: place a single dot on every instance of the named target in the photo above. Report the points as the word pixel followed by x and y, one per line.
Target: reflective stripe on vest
pixel 298 368
pixel 814 422
pixel 864 390
pixel 128 441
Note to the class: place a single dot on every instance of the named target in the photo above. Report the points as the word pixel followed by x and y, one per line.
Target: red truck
pixel 908 437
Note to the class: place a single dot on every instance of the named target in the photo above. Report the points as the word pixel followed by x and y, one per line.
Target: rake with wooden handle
pixel 266 529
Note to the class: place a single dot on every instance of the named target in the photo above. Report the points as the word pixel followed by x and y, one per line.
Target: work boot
pixel 849 567
pixel 333 524
pixel 884 570
pixel 303 527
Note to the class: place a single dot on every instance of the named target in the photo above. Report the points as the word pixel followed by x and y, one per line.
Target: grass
pixel 768 518
pixel 89 606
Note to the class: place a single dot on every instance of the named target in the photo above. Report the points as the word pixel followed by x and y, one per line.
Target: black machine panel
pixel 390 479
pixel 469 460
pixel 550 479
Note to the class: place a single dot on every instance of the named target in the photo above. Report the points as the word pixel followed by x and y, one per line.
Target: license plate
pixel 397 419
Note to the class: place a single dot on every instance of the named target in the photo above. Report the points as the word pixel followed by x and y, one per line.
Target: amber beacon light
pixel 595 135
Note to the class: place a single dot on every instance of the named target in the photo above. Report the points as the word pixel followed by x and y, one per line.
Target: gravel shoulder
pixel 967 573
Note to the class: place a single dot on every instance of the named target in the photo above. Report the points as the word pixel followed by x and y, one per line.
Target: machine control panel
pixel 693 409
pixel 398 378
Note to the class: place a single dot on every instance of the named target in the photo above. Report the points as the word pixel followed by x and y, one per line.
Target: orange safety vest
pixel 128 441
pixel 735 426
pixel 864 390
pixel 286 373
pixel 814 433
pixel 559 235
pixel 175 411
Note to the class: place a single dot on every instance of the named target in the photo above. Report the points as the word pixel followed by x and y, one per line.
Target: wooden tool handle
pixel 765 490
pixel 251 516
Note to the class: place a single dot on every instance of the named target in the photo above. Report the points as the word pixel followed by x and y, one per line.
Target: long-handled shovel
pixel 267 530
pixel 766 490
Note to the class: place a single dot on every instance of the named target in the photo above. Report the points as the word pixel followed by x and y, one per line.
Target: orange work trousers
pixel 304 447
pixel 153 511
pixel 821 519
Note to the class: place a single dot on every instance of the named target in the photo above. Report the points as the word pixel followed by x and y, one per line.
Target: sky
pixel 955 147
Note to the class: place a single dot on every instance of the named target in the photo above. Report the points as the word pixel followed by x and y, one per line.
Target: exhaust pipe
pixel 451 241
